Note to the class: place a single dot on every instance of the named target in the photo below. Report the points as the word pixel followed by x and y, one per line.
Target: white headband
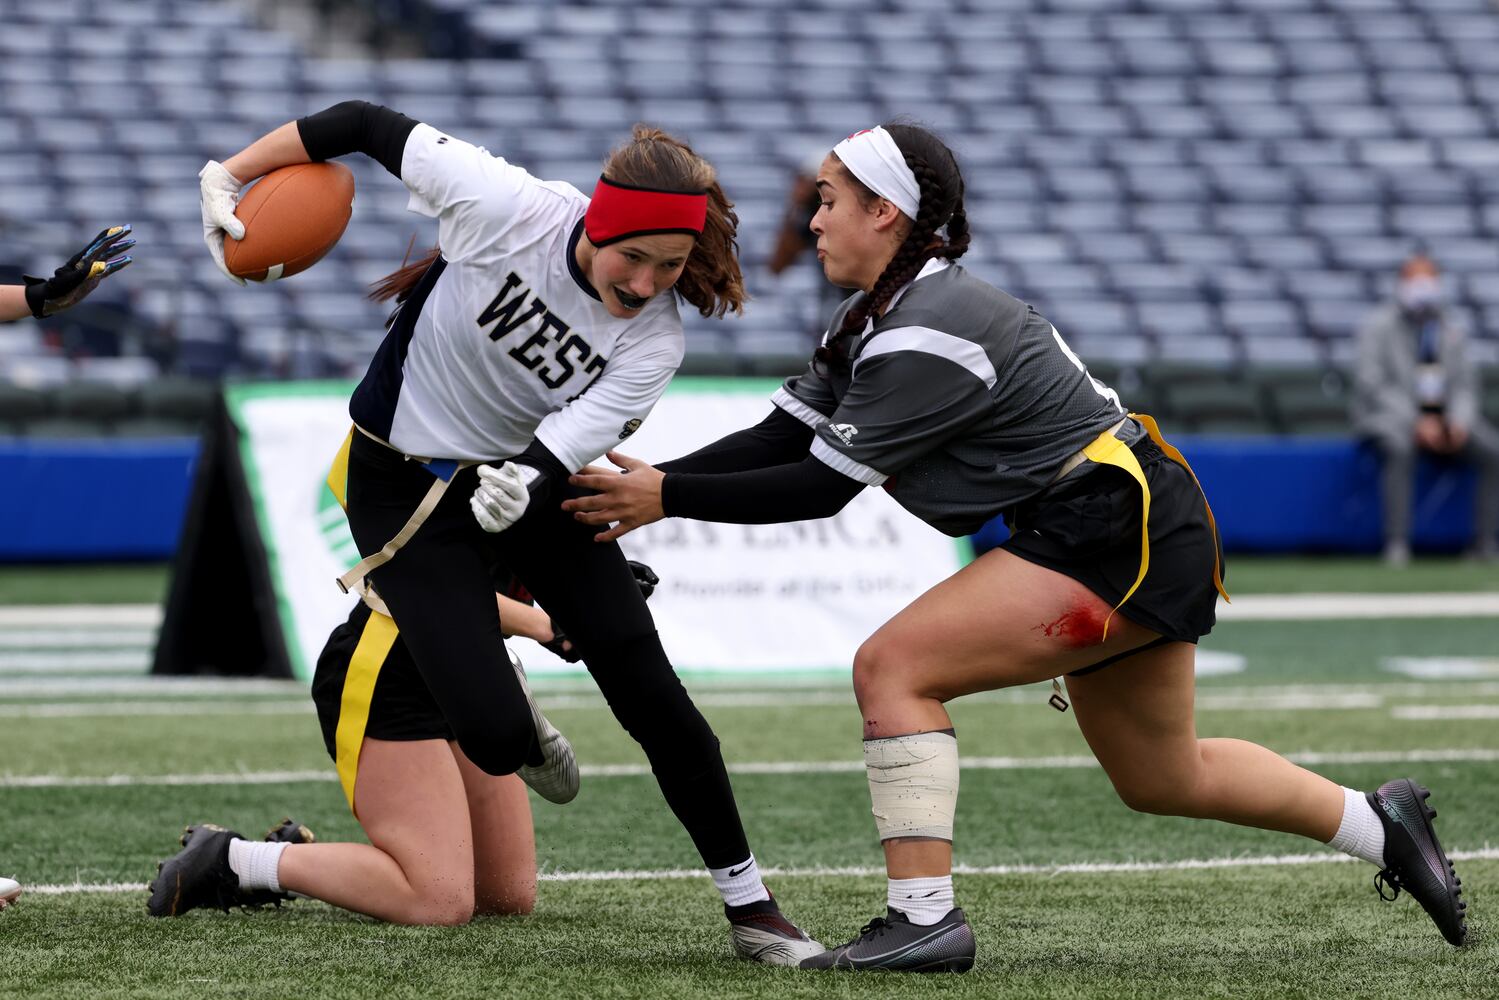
pixel 873 157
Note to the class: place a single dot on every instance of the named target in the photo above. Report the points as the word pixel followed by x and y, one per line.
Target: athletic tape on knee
pixel 913 784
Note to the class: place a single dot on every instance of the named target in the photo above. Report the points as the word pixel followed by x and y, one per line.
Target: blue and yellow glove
pixel 81 274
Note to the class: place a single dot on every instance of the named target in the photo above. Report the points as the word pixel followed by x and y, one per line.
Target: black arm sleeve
pixel 357 127
pixel 798 492
pixel 779 439
pixel 538 456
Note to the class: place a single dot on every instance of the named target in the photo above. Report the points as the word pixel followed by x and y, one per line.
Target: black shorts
pixel 367 680
pixel 1088 528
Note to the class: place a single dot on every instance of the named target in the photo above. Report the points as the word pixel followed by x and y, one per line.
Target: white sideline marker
pixel 1329 607
pixel 1080 868
pixel 1430 668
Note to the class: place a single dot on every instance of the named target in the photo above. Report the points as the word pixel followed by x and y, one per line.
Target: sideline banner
pixel 733 598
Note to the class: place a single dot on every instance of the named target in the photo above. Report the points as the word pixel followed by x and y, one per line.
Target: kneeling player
pixel 447 841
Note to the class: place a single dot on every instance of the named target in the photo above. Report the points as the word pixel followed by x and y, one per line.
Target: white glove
pixel 503 495
pixel 218 191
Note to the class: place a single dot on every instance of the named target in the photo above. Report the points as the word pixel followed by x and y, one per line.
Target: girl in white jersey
pixel 963 403
pixel 539 333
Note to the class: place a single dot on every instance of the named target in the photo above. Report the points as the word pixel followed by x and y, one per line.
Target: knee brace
pixel 913 784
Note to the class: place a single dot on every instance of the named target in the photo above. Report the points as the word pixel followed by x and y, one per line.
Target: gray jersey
pixel 961 401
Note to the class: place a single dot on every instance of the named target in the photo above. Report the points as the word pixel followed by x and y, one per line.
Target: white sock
pixel 924 900
pixel 257 863
pixel 1361 833
pixel 740 884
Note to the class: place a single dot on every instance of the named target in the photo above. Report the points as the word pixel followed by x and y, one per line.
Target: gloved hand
pixel 644 576
pixel 503 495
pixel 81 274
pixel 218 192
pixel 562 646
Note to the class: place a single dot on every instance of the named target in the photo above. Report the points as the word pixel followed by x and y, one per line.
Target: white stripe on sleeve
pixel 944 345
pixel 839 462
pixel 797 408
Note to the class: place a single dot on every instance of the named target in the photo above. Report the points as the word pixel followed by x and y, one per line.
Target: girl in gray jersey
pixel 964 403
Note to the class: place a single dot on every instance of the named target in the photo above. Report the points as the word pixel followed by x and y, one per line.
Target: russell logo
pixel 631 426
pixel 844 432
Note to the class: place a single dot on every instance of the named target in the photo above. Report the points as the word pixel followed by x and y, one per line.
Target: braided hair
pixel 941 185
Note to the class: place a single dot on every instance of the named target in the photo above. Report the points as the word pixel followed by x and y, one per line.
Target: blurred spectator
pixel 795 237
pixel 1415 390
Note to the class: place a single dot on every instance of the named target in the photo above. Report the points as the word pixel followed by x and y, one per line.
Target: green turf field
pixel 1071 894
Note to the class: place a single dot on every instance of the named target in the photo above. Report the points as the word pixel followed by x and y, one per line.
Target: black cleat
pixel 289 831
pixel 1414 859
pixel 895 944
pixel 760 932
pixel 198 875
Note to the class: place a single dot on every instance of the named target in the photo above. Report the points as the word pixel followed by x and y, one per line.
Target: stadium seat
pixel 1279 152
pixel 177 399
pixel 1306 400
pixel 1220 406
pixel 99 402
pixel 20 405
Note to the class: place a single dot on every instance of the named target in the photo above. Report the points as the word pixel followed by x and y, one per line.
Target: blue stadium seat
pixel 1314 284
pixel 1285 252
pixel 1121 247
pixel 1254 220
pixel 1179 320
pixel 1085 216
pixel 1336 319
pixel 1252 319
pixel 1200 249
pixel 1231 284
pixel 1432 222
pixel 1255 183
pixel 1084 318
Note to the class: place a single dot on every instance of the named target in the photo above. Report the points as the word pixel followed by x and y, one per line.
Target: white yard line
pixel 155 780
pixel 33 687
pixel 1274 700
pixel 1060 762
pixel 1076 868
pixel 1425 712
pixel 128 709
pixel 75 662
pixel 80 615
pixel 77 638
pixel 1321 607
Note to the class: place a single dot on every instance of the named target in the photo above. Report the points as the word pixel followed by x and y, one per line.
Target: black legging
pixel 440 592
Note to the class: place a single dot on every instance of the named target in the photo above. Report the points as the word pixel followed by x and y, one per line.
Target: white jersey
pixel 504 340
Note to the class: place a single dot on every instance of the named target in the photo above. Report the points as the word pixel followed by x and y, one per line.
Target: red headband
pixel 619 211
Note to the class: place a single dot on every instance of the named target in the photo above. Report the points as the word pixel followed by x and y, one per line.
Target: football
pixel 292 216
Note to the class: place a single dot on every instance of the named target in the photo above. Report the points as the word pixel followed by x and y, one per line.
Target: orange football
pixel 292 216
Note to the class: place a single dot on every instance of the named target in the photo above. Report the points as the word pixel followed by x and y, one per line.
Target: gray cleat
pixel 556 777
pixel 895 944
